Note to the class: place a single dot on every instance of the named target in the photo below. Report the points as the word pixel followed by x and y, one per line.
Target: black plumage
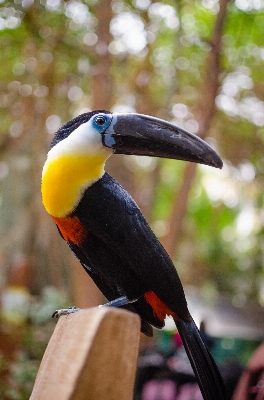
pixel 124 258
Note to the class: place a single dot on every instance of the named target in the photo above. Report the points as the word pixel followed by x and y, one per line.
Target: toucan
pixel 108 233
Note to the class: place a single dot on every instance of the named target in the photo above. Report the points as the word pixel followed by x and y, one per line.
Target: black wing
pixel 111 292
pixel 123 250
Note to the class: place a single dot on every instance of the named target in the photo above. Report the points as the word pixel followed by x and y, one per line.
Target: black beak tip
pixel 217 162
pixel 220 165
pixel 212 158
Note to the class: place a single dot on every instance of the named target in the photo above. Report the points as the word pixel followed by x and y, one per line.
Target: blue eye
pixel 101 122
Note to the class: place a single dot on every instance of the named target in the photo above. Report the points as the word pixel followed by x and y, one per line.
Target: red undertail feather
pixel 159 308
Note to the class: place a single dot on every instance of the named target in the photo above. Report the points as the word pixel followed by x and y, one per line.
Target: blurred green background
pixel 198 64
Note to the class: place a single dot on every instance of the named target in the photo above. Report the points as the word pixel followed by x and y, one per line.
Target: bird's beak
pixel 143 135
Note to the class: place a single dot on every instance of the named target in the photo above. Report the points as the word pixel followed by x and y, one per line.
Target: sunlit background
pixel 198 64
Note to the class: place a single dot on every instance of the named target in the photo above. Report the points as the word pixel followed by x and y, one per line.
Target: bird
pixel 106 230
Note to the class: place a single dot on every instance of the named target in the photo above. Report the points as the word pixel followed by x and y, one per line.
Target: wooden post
pixel 91 355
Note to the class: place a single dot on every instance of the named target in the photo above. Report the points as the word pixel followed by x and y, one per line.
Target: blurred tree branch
pixel 204 113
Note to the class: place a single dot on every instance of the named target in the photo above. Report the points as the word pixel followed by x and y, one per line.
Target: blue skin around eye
pixel 109 141
pixel 101 128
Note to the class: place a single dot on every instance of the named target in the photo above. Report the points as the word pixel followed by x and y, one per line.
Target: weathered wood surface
pixel 92 355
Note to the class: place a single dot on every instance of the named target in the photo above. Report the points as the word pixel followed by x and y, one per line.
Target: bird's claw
pixel 64 311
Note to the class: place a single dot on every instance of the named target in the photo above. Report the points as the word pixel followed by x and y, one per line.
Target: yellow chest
pixel 65 179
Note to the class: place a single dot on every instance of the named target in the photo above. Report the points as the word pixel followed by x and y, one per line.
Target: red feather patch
pixel 159 308
pixel 71 229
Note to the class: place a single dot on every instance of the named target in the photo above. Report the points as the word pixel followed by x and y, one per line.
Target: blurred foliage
pixel 61 58
pixel 23 343
pixel 52 51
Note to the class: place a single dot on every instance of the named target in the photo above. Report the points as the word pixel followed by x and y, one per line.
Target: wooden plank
pixel 91 355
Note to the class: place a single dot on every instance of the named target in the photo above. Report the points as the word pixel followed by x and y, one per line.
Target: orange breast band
pixel 71 229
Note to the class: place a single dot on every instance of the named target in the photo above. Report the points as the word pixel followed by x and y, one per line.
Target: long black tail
pixel 207 374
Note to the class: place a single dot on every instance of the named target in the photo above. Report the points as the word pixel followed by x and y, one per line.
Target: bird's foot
pixel 65 311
